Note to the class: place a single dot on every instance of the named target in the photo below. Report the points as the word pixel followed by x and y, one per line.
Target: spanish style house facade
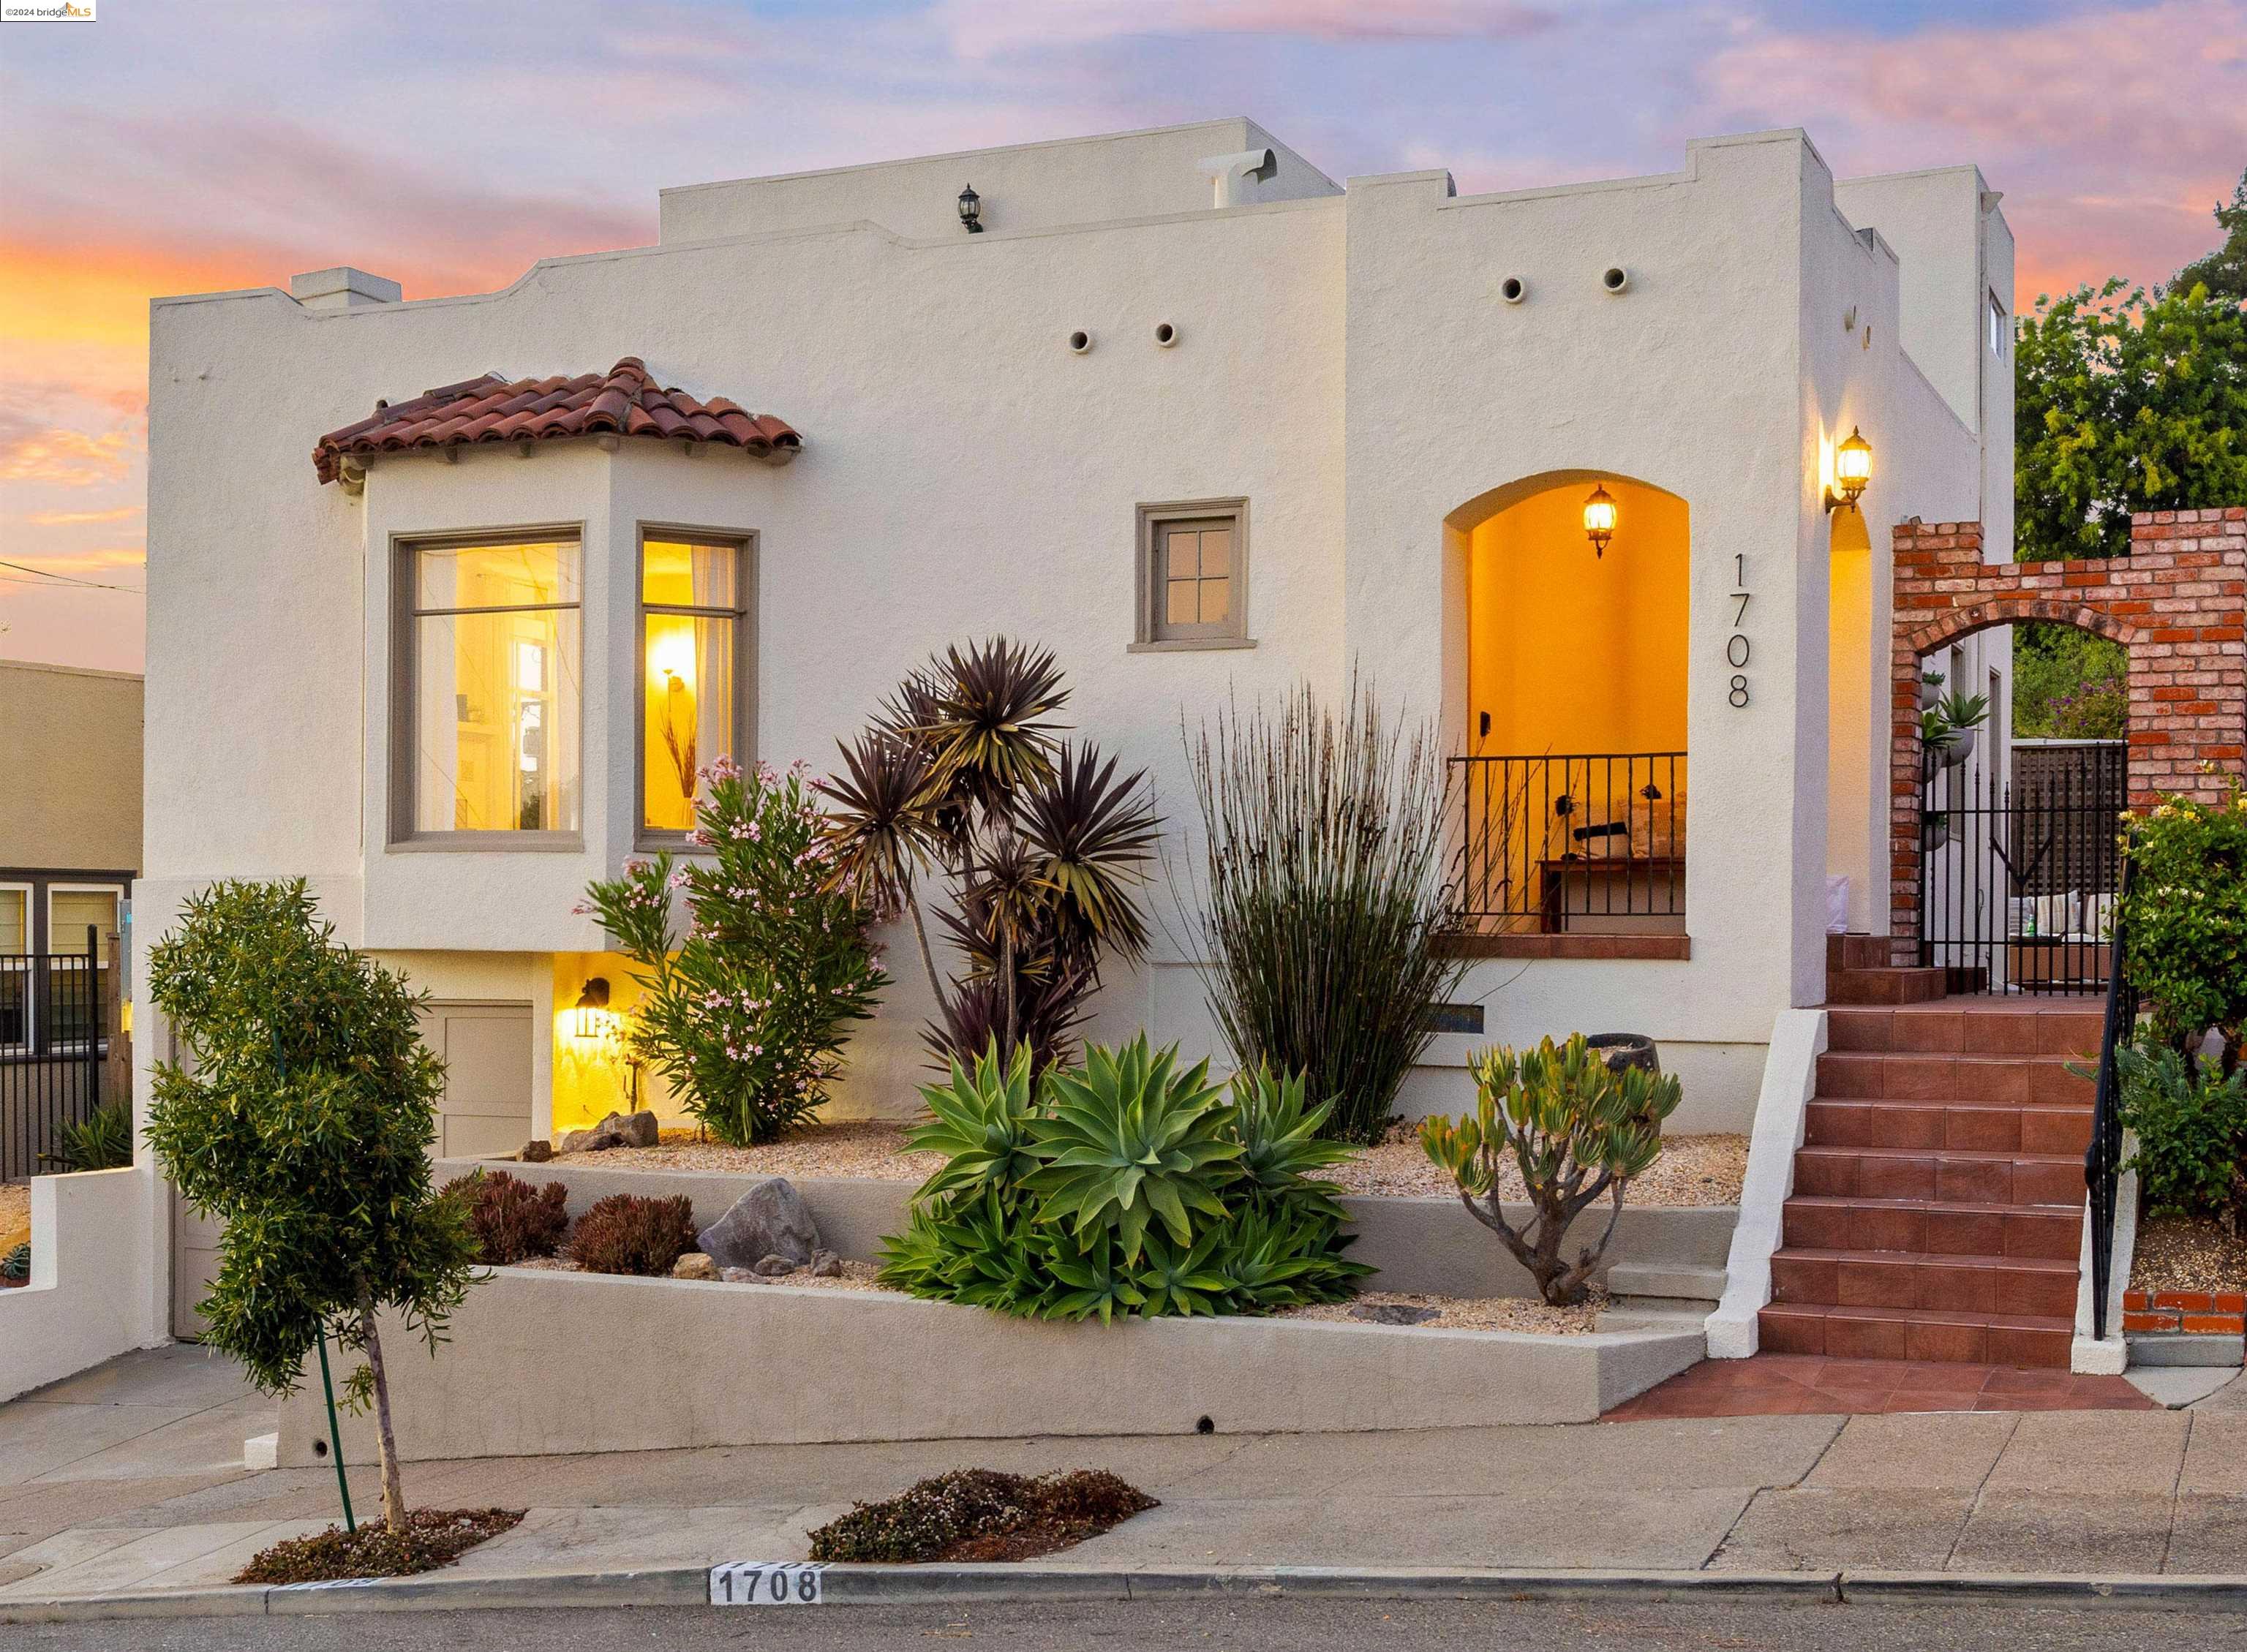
pixel 1175 405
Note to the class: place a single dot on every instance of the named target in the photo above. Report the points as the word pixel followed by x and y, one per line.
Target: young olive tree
pixel 303 1122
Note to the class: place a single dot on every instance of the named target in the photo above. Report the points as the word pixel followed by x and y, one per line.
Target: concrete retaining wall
pixel 542 1363
pixel 1426 1244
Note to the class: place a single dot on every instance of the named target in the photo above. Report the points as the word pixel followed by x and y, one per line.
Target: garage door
pixel 486 1047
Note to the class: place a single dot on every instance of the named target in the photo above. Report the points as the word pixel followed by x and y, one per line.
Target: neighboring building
pixel 1183 410
pixel 69 810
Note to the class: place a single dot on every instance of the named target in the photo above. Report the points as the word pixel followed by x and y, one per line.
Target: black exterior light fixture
pixel 971 210
pixel 1600 519
pixel 1853 469
pixel 590 1012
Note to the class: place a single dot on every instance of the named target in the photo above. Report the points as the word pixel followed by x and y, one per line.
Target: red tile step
pixel 1895 1075
pixel 2034 1340
pixel 1796 1385
pixel 1954 1125
pixel 1933 1226
pixel 2036 1287
pixel 1887 985
pixel 1942 1026
pixel 1960 1174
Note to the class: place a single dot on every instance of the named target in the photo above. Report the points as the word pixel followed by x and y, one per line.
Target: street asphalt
pixel 1226 1625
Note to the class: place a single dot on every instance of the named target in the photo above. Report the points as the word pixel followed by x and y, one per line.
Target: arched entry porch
pixel 1573 624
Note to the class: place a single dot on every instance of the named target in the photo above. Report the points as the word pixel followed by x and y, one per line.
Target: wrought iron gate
pixel 2018 878
pixel 52 1043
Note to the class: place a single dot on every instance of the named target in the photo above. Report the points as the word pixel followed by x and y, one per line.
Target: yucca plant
pixel 1577 1129
pixel 1322 902
pixel 1041 845
pixel 1131 1140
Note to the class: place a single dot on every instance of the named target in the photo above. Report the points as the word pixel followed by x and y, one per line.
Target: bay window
pixel 693 669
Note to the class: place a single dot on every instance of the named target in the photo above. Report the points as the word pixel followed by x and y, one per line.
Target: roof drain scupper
pixel 1229 172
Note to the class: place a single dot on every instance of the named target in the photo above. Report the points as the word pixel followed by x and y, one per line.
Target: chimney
pixel 342 288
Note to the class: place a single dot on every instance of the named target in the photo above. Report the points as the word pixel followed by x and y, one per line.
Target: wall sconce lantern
pixel 1599 520
pixel 1853 469
pixel 590 1017
pixel 971 210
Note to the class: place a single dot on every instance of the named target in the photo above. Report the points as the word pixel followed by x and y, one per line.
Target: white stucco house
pixel 1177 405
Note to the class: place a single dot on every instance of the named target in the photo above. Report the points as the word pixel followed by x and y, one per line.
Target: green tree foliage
pixel 2068 684
pixel 1574 1127
pixel 2184 920
pixel 747 1013
pixel 2125 402
pixel 1130 1186
pixel 2224 272
pixel 303 1122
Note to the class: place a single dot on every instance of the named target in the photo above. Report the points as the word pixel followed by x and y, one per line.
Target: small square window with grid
pixel 1192 573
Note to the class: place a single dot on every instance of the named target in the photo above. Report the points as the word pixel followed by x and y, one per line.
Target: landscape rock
pixel 639 1128
pixel 598 1139
pixel 738 1275
pixel 825 1265
pixel 1394 1313
pixel 535 1152
pixel 694 1265
pixel 770 1219
pixel 774 1267
pixel 1622 1050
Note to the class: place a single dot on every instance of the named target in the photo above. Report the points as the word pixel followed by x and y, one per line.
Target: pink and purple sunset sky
pixel 169 147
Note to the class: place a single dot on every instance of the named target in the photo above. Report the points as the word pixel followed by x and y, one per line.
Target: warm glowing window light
pixel 1600 519
pixel 691 610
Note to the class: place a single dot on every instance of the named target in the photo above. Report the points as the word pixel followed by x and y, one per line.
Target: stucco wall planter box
pixel 543 1362
pixel 1422 1245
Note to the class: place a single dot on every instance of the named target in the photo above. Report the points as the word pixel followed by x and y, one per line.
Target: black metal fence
pixel 52 1043
pixel 2102 1160
pixel 2019 878
pixel 1584 843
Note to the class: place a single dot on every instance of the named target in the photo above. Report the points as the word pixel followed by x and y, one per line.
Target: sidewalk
pixel 129 1477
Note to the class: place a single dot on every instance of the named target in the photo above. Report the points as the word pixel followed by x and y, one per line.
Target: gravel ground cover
pixel 2174 1254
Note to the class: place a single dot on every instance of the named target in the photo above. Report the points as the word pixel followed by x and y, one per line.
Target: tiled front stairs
pixel 1938 1211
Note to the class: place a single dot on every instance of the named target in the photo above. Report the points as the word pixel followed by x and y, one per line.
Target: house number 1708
pixel 1737 649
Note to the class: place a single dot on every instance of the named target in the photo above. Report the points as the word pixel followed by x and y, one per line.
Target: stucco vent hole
pixel 1204 1425
pixel 319 1448
pixel 1079 341
pixel 1513 290
pixel 1166 334
pixel 1615 279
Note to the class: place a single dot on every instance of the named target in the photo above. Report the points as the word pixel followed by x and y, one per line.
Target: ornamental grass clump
pixel 1576 1128
pixel 1322 900
pixel 302 1123
pixel 1129 1186
pixel 747 1013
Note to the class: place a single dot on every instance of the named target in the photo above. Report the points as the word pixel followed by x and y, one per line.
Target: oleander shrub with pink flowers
pixel 747 1013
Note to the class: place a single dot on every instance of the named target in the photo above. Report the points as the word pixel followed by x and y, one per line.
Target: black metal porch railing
pixel 1582 843
pixel 2102 1160
pixel 52 1043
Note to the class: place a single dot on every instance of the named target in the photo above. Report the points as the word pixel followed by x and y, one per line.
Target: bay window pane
pixel 688 720
pixel 674 575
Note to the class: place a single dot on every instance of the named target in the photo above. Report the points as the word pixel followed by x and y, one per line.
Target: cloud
pixel 990 28
pixel 72 518
pixel 83 563
pixel 36 452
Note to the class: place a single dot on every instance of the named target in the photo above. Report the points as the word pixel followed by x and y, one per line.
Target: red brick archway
pixel 2178 602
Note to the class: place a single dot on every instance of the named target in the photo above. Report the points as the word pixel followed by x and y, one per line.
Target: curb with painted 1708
pixel 1001 1584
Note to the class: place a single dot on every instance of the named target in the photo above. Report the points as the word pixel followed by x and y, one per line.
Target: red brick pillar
pixel 1936 568
pixel 2188 574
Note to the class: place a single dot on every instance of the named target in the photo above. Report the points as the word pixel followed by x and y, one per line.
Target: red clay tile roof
pixel 623 401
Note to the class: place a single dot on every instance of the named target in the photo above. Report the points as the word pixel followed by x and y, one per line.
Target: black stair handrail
pixel 2102 1160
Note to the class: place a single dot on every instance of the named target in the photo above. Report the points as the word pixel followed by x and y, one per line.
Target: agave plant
pixel 1096 1278
pixel 1133 1140
pixel 1182 1279
pixel 1042 846
pixel 981 1123
pixel 1281 1151
pixel 1576 1128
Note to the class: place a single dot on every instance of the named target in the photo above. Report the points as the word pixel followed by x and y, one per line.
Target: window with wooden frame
pixel 490 700
pixel 694 669
pixel 1193 575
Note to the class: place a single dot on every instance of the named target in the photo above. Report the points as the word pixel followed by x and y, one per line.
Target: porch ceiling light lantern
pixel 1853 469
pixel 1600 519
pixel 971 210
pixel 589 1018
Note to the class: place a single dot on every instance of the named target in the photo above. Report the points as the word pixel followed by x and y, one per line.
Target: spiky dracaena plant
pixel 1040 846
pixel 1321 901
pixel 1575 1127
